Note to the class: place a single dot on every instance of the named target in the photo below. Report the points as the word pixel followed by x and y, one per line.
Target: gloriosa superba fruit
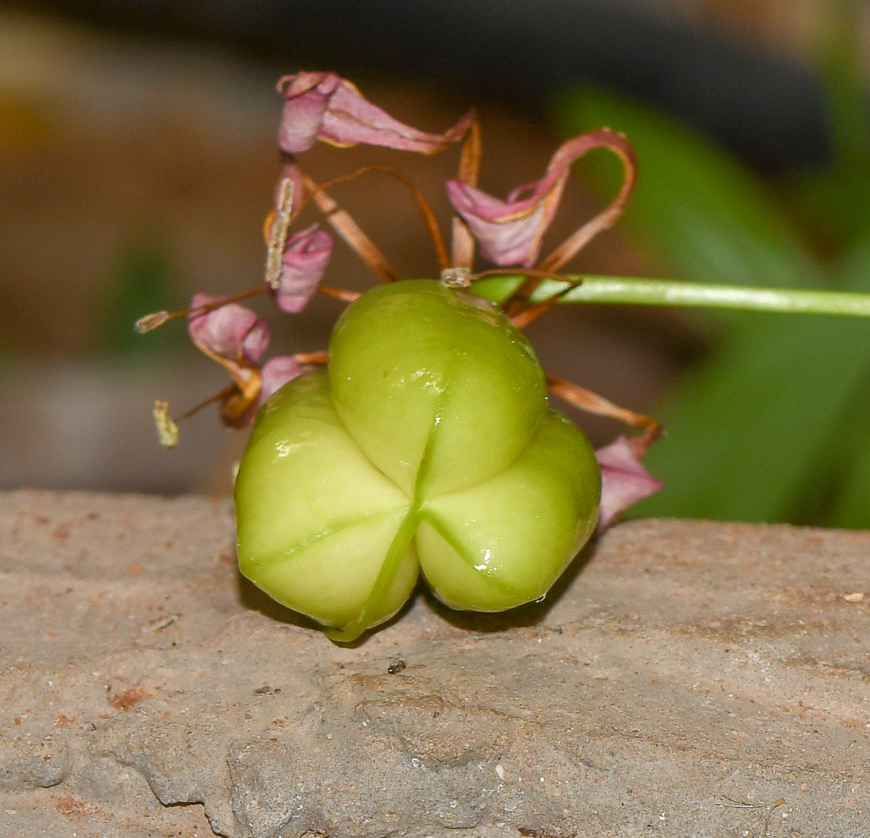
pixel 427 446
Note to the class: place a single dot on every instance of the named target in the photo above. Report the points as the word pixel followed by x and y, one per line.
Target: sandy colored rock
pixel 146 690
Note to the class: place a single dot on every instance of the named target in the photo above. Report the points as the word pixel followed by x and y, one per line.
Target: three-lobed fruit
pixel 428 445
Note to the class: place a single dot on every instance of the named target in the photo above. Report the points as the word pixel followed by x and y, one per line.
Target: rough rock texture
pixel 147 691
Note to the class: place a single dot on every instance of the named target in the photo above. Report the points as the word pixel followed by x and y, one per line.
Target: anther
pixel 278 233
pixel 151 321
pixel 167 430
pixel 456 277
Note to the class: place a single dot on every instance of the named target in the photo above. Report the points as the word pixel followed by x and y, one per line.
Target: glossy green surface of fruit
pixel 427 445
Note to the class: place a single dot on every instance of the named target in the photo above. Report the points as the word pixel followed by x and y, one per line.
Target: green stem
pixel 396 552
pixel 666 292
pixel 399 546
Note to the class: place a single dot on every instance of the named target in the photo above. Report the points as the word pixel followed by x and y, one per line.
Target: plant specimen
pixel 423 440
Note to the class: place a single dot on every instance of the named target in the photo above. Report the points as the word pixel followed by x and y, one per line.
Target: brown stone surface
pixel 147 691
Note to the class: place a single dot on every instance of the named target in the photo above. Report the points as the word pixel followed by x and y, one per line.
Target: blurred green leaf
pixel 694 203
pixel 750 429
pixel 144 280
pixel 852 508
pixel 746 428
pixel 844 74
pixel 836 200
pixel 850 505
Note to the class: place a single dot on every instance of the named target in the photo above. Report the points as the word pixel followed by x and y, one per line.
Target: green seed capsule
pixel 427 446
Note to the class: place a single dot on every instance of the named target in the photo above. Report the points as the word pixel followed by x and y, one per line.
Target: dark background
pixel 137 161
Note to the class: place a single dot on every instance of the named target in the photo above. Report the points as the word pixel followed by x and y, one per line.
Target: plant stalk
pixel 664 292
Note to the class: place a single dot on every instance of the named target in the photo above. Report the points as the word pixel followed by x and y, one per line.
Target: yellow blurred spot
pixel 167 430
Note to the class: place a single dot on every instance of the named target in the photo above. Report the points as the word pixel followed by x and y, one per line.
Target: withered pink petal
pixel 624 481
pixel 510 232
pixel 275 373
pixel 322 106
pixel 306 98
pixel 230 331
pixel 305 258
